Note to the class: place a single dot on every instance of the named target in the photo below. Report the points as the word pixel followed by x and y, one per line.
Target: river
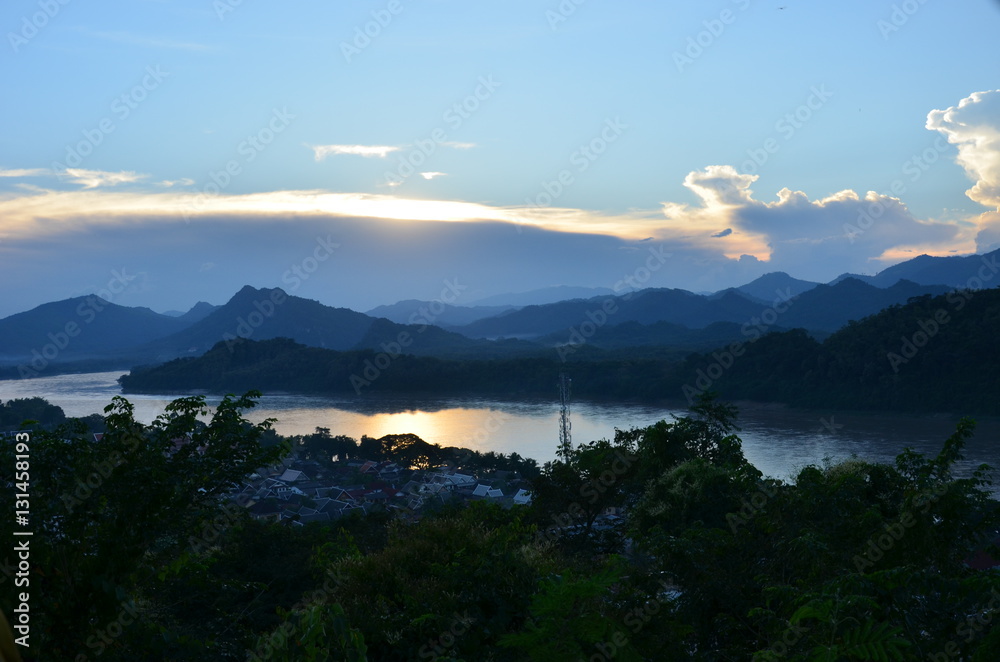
pixel 776 439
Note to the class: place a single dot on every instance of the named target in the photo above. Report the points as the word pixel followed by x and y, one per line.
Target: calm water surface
pixel 778 440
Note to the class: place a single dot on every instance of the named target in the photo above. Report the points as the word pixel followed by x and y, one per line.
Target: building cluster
pixel 300 491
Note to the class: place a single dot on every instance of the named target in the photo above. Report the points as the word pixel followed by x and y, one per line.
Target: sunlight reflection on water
pixel 776 439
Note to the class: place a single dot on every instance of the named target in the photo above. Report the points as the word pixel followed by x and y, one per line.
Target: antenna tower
pixel 565 438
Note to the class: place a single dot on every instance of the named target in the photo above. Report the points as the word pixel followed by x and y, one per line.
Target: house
pixel 451 478
pixel 292 476
pixel 487 491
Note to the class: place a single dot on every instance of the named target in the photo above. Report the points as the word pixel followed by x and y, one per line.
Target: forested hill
pixel 931 354
pixel 284 365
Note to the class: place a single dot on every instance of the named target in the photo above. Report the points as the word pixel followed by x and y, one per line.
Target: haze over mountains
pixel 89 329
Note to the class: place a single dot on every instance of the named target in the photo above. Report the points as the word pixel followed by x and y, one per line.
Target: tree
pixel 14 413
pixel 109 514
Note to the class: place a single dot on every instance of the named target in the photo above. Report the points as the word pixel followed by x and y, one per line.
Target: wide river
pixel 776 439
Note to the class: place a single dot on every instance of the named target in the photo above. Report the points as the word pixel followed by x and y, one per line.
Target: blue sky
pixel 509 144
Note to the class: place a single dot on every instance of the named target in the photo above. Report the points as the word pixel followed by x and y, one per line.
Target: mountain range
pixel 57 335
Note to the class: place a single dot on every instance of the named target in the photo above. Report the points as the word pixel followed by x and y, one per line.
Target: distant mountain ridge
pixel 820 308
pixel 956 271
pixel 768 285
pixel 88 330
pixel 79 328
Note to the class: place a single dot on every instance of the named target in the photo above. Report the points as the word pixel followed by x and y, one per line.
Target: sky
pixel 165 152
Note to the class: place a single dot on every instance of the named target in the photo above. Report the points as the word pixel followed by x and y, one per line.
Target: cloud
pixel 89 179
pixel 811 238
pixel 369 151
pixel 96 178
pixel 23 213
pixel 183 181
pixel 25 172
pixel 843 231
pixel 974 127
pixel 433 175
pixel 320 152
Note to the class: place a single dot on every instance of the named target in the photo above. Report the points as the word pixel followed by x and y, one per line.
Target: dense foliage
pixel 661 543
pixel 932 354
pixel 283 365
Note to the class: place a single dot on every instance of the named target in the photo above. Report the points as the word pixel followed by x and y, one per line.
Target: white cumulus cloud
pixel 368 151
pixel 974 127
pixel 98 178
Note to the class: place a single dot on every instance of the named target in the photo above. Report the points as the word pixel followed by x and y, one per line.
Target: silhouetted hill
pixel 283 365
pixel 821 308
pixel 106 332
pixel 646 307
pixel 957 271
pixel 767 287
pixel 657 334
pixel 198 312
pixel 80 328
pixel 261 314
pixel 935 353
pixel 429 340
pixel 830 307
